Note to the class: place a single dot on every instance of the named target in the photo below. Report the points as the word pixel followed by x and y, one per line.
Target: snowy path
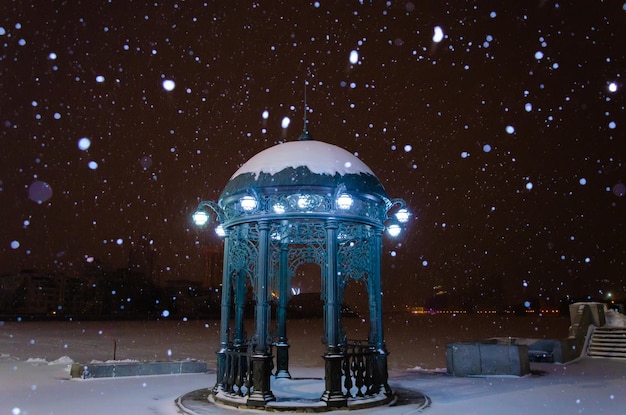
pixel 594 386
pixel 30 388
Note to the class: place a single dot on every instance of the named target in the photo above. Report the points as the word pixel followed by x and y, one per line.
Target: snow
pixel 319 157
pixel 45 388
pixel 614 319
pixel 35 359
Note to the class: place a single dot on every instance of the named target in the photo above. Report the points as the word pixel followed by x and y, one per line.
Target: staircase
pixel 608 342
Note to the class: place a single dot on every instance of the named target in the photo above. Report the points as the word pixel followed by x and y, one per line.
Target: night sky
pixel 500 123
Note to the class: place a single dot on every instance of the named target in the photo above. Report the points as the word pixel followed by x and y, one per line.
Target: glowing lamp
pixel 304 201
pixel 219 230
pixel 248 203
pixel 344 201
pixel 394 229
pixel 200 218
pixel 403 215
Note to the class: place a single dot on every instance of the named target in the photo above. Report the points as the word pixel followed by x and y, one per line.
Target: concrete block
pixel 122 369
pixel 487 359
pixel 584 314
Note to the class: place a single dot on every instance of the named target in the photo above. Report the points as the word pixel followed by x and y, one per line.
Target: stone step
pixel 608 342
pixel 609 333
pixel 612 354
pixel 610 338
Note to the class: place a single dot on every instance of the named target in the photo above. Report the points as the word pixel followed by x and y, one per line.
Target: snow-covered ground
pixel 35 358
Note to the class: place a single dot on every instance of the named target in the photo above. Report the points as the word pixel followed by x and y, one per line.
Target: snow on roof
pixel 317 156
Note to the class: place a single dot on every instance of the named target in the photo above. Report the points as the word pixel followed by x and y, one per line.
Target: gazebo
pixel 297 203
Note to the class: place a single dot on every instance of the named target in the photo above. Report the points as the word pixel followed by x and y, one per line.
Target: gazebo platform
pixel 300 395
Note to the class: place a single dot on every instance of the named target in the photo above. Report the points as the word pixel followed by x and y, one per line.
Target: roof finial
pixel 305 129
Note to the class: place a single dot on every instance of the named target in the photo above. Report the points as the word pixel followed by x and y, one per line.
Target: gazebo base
pixel 291 395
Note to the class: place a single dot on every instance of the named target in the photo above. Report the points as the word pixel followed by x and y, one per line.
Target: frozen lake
pixel 413 340
pixel 34 375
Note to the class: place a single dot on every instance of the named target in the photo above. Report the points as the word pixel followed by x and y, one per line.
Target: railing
pixel 360 370
pixel 238 380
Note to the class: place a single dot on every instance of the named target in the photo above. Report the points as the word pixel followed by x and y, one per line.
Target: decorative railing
pixel 360 370
pixel 237 379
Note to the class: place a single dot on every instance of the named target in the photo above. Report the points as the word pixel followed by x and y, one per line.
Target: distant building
pixel 96 292
pixel 46 293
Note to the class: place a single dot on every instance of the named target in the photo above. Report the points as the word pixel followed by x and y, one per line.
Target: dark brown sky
pixel 539 210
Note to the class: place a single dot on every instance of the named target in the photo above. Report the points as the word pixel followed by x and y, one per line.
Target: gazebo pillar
pixel 282 346
pixel 376 337
pixel 240 305
pixel 225 318
pixel 374 293
pixel 261 355
pixel 333 358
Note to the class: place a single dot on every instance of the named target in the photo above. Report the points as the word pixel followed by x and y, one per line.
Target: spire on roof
pixel 305 129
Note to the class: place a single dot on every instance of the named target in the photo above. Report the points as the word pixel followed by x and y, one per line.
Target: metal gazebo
pixel 300 202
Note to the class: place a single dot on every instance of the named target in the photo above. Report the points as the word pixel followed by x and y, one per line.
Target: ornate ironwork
pixel 290 204
pixel 360 370
pixel 238 377
pixel 305 255
pixel 243 250
pixel 354 253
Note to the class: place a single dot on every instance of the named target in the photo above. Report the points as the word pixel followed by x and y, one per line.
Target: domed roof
pixel 304 164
